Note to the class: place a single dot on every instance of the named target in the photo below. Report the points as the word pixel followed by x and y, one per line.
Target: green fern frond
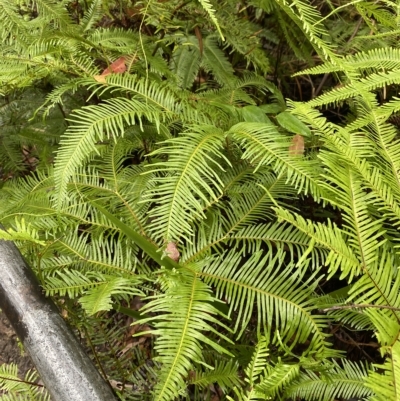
pixel 23 232
pixel 309 19
pixel 211 12
pixel 14 389
pixel 379 286
pixel 373 60
pixel 365 234
pixel 261 284
pixel 70 282
pixel 123 41
pixel 264 145
pixel 185 313
pixel 90 125
pixel 215 61
pixel 225 374
pixel 282 236
pixel 55 12
pixel 330 238
pixel 186 62
pixel 345 380
pixel 190 181
pixel 258 361
pixel 92 15
pixel 386 385
pixel 98 298
pixel 371 82
pixel 276 377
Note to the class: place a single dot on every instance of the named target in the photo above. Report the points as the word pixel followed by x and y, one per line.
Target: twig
pixel 321 84
pixel 21 381
pixel 360 306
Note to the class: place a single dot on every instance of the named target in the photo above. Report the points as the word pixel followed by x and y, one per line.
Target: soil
pixel 9 350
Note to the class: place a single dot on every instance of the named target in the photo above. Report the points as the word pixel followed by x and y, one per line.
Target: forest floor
pixel 9 350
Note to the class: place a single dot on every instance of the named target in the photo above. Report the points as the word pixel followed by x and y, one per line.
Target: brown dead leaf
pixel 296 147
pixel 199 37
pixel 100 78
pixel 118 67
pixel 172 251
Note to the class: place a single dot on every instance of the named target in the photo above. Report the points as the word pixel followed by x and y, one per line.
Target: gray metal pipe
pixel 64 367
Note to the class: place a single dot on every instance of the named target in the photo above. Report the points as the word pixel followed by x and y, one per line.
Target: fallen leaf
pixel 296 147
pixel 199 37
pixel 100 78
pixel 172 251
pixel 118 67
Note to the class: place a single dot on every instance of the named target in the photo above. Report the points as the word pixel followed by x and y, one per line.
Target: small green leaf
pixel 272 108
pixel 254 114
pixel 99 298
pixel 292 124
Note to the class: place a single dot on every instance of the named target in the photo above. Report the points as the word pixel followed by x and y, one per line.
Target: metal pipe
pixel 64 367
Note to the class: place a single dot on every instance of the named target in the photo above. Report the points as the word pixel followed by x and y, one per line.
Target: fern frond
pixel 225 374
pixel 248 204
pixel 190 181
pixel 215 61
pixel 335 381
pixel 279 235
pixel 258 361
pixel 373 60
pixel 98 298
pixel 276 377
pixel 371 82
pixel 211 12
pixel 264 145
pixel 14 389
pixel 92 124
pixel 328 236
pixel 260 283
pixel 53 11
pixel 70 282
pixel 379 286
pixel 23 232
pixel 308 17
pixel 92 15
pixel 386 385
pixel 186 62
pixel 185 314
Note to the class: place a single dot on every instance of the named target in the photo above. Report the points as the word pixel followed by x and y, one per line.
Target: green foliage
pixel 15 389
pixel 149 177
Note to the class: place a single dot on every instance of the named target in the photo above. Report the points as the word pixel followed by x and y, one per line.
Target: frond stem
pixel 359 306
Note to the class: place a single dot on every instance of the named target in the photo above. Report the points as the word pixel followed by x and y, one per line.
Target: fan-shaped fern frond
pixel 23 232
pixel 98 298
